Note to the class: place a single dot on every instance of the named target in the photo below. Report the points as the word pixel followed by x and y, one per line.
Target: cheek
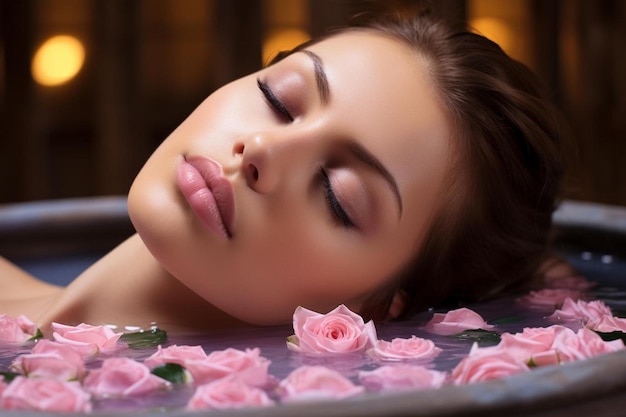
pixel 279 276
pixel 264 280
pixel 226 113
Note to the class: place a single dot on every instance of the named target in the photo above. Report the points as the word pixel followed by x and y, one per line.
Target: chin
pixel 138 208
pixel 154 214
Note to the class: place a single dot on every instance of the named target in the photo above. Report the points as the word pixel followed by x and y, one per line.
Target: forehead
pixel 383 92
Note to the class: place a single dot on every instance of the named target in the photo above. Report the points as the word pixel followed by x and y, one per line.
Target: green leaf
pixel 616 335
pixel 9 376
pixel 38 335
pixel 479 335
pixel 144 338
pixel 507 320
pixel 171 372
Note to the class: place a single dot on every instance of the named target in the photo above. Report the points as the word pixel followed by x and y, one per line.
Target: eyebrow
pixel 320 76
pixel 357 150
pixel 362 154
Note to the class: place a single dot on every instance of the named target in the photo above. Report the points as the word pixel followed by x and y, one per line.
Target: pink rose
pixel 543 335
pixel 532 348
pixel 486 364
pixel 581 310
pixel 51 360
pixel 607 324
pixel 16 330
pixel 26 324
pixel 549 297
pixel 45 394
pixel 175 354
pixel 582 345
pixel 414 348
pixel 230 392
pixel 310 383
pixel 247 365
pixel 339 331
pixel 122 377
pixel 89 340
pixel 456 321
pixel 553 345
pixel 401 377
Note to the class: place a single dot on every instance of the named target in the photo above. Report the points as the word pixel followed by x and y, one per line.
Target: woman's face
pixel 311 182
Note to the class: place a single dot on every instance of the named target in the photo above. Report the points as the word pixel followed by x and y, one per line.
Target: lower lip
pixel 194 180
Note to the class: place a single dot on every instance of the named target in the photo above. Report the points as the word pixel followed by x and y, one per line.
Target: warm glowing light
pixel 496 30
pixel 282 40
pixel 58 60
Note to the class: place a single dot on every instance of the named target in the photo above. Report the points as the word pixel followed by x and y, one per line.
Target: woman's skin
pixel 334 159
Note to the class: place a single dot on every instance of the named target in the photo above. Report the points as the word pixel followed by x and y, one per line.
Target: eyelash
pixel 274 102
pixel 334 205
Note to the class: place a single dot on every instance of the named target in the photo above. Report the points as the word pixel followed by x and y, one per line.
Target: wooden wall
pixel 150 62
pixel 593 74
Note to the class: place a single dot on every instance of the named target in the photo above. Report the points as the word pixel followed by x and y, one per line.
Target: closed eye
pixel 277 106
pixel 335 207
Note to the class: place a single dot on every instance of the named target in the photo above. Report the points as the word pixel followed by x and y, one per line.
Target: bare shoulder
pixel 15 283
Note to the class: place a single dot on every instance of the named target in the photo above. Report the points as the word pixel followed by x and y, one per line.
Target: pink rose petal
pixel 532 347
pixel 401 377
pixel 582 345
pixel 456 321
pixel 413 348
pixel 91 340
pixel 310 383
pixel 581 310
pixel 51 360
pixel 122 377
pixel 44 394
pixel 486 364
pixel 15 330
pixel 26 324
pixel 552 345
pixel 225 393
pixel 249 366
pixel 179 355
pixel 607 324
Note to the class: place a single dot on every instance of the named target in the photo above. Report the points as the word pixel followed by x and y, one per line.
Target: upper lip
pixel 220 187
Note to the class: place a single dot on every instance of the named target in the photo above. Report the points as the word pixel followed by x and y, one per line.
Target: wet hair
pixel 492 229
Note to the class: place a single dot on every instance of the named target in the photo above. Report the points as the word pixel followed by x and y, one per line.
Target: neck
pixel 128 287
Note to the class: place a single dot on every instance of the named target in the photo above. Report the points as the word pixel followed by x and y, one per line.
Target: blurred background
pixel 89 88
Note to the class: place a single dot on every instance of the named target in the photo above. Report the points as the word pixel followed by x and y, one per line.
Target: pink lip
pixel 208 193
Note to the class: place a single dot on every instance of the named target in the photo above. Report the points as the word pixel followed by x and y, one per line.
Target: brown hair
pixel 492 231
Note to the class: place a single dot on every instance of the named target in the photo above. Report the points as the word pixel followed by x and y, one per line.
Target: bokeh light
pixel 282 39
pixel 58 60
pixel 495 29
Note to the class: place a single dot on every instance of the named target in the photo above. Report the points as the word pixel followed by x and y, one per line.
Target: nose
pixel 267 160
